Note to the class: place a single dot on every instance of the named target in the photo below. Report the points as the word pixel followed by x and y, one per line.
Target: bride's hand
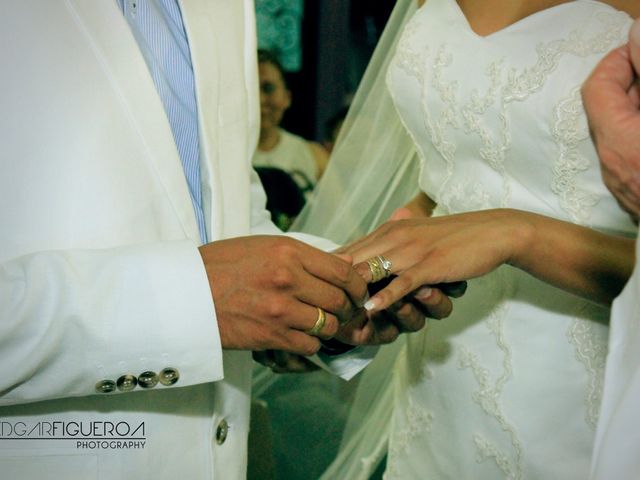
pixel 440 250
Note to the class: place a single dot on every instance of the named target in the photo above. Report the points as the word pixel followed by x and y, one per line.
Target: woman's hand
pixel 440 250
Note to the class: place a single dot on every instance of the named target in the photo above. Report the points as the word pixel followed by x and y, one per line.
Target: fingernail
pixel 366 299
pixel 424 293
pixel 371 304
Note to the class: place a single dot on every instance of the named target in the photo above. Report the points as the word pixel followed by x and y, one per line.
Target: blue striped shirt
pixel 159 30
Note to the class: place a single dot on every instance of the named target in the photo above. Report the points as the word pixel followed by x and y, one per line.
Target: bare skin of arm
pixel 428 251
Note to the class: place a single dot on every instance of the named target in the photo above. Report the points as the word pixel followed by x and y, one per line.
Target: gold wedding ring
pixel 317 328
pixel 379 267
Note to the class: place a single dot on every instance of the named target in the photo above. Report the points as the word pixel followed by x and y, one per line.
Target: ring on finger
pixel 379 267
pixel 317 328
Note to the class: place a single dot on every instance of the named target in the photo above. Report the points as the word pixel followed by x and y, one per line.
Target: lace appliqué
pixel 590 343
pixel 521 85
pixel 407 58
pixel 569 130
pixel 488 398
pixel 504 87
pixel 418 421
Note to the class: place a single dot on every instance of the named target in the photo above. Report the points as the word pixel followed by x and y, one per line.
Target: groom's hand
pixel 405 316
pixel 267 291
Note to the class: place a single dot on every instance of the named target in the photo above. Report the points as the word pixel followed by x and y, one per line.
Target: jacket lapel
pixel 222 42
pixel 116 47
pixel 203 45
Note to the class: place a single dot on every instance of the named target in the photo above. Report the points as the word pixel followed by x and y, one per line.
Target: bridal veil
pixel 372 171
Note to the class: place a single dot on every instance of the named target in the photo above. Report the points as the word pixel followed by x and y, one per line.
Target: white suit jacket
pixel 99 270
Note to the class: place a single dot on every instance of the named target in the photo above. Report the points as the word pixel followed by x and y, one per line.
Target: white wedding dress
pixel 510 385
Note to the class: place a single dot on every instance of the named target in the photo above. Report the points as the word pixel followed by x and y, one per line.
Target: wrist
pixel 522 231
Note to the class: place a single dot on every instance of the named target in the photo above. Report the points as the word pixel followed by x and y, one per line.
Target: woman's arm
pixel 452 248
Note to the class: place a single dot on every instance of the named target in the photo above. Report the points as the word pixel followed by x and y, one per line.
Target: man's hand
pixel 266 290
pixel 611 98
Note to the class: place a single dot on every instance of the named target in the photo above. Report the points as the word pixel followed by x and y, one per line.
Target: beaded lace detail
pixel 418 421
pixel 590 342
pixel 506 85
pixel 569 130
pixel 488 397
pixel 469 134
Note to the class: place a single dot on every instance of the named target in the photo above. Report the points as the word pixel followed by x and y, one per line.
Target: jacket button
pixel 221 432
pixel 126 383
pixel 169 376
pixel 148 379
pixel 105 386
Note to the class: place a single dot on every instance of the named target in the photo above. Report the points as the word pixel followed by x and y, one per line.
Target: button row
pixel 126 383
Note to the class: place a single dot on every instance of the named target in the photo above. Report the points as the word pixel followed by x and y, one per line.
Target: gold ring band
pixel 317 328
pixel 379 267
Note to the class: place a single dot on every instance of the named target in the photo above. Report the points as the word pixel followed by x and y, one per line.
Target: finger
pixel 345 257
pixel 433 303
pixel 324 324
pixel 349 332
pixel 334 301
pixel 399 287
pixel 384 327
pixel 300 343
pixel 365 271
pixel 453 289
pixel 337 274
pixel 407 317
pixel 371 332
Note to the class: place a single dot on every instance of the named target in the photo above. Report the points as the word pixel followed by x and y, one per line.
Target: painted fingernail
pixel 424 293
pixel 371 304
pixel 365 300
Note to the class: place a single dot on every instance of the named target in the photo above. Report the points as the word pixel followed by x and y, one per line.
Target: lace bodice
pixel 499 121
pixel 509 386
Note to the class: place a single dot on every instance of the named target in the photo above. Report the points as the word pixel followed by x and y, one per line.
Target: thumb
pixel 634 46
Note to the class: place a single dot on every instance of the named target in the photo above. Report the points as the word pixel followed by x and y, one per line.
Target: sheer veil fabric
pixel 372 171
pixel 373 167
pixel 528 82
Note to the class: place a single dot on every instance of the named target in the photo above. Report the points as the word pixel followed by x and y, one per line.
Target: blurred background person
pixel 305 161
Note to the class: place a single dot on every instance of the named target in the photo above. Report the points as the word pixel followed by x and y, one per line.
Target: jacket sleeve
pixel 71 320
